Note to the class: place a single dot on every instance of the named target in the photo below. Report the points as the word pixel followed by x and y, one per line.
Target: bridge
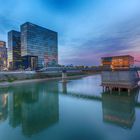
pixel 77 69
pixel 68 69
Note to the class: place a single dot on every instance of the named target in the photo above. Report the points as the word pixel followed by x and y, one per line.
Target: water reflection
pixel 34 108
pixel 119 109
pixel 64 87
pixel 85 112
pixel 3 107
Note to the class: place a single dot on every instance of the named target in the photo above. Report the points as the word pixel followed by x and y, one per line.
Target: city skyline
pixel 87 29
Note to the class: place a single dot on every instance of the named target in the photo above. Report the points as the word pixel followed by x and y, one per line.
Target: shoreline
pixel 6 84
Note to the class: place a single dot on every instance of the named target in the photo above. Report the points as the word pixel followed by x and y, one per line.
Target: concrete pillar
pixel 64 76
pixel 64 87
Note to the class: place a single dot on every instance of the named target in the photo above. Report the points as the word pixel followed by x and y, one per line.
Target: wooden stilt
pixel 110 90
pixel 129 91
pixel 103 89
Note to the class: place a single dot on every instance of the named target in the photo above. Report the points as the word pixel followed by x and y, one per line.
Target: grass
pixel 11 78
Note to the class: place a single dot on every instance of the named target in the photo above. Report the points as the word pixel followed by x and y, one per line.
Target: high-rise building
pixel 14 50
pixel 40 43
pixel 3 55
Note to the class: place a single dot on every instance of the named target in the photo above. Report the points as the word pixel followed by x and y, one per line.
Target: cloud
pixel 87 29
pixel 118 40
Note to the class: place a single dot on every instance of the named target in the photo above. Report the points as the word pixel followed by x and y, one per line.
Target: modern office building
pixel 3 55
pixel 39 44
pixel 14 50
pixel 118 62
pixel 32 47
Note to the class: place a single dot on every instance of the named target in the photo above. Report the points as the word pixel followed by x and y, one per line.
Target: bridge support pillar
pixel 64 76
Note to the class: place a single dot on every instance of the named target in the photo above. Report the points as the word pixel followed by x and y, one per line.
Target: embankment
pixel 13 78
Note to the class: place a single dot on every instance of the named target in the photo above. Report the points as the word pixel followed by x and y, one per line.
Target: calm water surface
pixel 76 110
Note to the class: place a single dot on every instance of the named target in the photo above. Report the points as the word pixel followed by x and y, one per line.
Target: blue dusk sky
pixel 87 29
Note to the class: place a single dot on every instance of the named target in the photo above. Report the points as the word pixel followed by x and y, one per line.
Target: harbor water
pixel 75 109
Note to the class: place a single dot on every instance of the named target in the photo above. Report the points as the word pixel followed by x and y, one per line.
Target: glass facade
pixel 40 42
pixel 3 55
pixel 14 50
pixel 118 62
pixel 29 62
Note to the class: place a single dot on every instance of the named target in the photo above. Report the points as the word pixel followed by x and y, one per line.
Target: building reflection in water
pixel 119 109
pixel 64 87
pixel 3 106
pixel 34 107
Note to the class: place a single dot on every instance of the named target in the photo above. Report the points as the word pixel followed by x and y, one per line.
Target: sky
pixel 87 29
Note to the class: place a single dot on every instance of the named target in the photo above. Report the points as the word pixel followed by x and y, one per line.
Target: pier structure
pixel 121 75
pixel 120 80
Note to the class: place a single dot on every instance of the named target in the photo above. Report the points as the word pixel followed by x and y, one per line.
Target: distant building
pixel 14 50
pixel 118 62
pixel 2 44
pixel 3 55
pixel 39 44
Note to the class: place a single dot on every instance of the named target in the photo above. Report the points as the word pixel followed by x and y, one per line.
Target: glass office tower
pixel 3 55
pixel 14 50
pixel 39 42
